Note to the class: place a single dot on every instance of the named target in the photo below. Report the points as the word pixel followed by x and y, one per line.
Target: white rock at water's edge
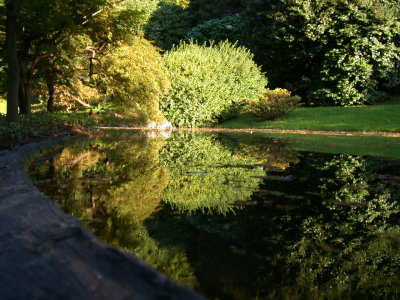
pixel 163 126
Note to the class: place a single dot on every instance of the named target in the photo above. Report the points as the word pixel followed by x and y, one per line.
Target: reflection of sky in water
pixel 237 217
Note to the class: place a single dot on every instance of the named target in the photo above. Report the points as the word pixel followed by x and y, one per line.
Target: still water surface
pixel 237 217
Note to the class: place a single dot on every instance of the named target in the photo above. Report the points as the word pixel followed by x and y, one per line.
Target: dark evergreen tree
pixel 332 52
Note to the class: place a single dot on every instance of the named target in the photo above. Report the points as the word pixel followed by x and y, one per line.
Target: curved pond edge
pixel 260 130
pixel 47 254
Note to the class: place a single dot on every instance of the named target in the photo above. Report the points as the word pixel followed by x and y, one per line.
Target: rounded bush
pixel 207 81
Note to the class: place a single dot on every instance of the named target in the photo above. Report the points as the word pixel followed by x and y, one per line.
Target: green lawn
pixel 3 106
pixel 382 117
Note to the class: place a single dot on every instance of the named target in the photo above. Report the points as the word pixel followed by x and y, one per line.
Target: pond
pixel 236 216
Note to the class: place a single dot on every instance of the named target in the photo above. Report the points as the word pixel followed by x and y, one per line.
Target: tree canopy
pixel 332 52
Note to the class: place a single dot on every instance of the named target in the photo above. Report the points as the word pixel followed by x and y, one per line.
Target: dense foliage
pixel 206 80
pixel 204 10
pixel 167 25
pixel 271 105
pixel 61 56
pixel 333 52
pixel 227 28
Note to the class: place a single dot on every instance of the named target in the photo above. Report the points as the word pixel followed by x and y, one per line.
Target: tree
pixel 12 10
pixel 168 25
pixel 205 10
pixel 42 26
pixel 71 73
pixel 333 52
pixel 226 28
pixel 133 78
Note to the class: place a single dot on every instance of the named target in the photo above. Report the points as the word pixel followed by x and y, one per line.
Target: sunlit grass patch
pixel 382 117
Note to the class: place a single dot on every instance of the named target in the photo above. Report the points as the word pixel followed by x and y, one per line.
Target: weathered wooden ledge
pixel 47 254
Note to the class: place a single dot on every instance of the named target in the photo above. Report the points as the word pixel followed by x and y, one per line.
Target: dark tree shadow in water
pixel 333 232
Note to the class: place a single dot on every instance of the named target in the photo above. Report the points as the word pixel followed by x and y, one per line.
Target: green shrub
pixel 207 81
pixel 168 25
pixel 134 78
pixel 272 105
pixel 227 28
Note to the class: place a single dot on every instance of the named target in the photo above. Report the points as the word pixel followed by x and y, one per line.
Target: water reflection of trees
pixel 310 226
pixel 350 237
pixel 332 233
pixel 108 181
pixel 114 183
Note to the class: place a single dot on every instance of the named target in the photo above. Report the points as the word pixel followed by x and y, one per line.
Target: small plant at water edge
pixel 271 105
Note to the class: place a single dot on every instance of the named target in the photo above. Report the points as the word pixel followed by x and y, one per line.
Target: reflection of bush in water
pixel 269 151
pixel 206 176
pixel 171 258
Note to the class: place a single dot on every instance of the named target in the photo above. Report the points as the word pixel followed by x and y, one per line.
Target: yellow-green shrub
pixel 134 79
pixel 271 105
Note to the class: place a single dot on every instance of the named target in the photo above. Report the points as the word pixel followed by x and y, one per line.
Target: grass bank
pixel 380 117
pixel 41 125
pixel 368 119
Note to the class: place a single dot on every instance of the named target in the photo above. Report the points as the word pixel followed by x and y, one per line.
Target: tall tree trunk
pixel 12 7
pixel 25 99
pixel 50 101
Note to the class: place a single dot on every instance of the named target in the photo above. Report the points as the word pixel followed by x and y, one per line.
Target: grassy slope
pixel 382 117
